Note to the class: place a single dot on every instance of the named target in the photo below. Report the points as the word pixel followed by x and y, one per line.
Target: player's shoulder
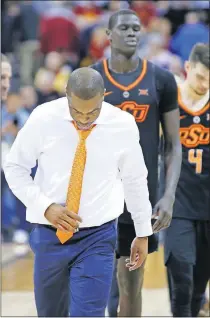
pixel 162 74
pixel 97 66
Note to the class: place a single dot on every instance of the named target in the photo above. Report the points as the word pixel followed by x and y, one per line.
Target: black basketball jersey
pixel 192 195
pixel 139 93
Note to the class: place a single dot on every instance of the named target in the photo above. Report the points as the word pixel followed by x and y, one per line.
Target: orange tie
pixel 75 183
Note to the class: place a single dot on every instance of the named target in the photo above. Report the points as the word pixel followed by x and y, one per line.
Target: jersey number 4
pixel 195 158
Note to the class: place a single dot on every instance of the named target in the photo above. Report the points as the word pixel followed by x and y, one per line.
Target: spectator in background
pixel 9 106
pixel 87 13
pixel 98 44
pixel 28 99
pixel 44 87
pixel 158 26
pixel 54 62
pixel 58 32
pixel 8 134
pixel 157 53
pixel 8 40
pixel 175 67
pixel 190 33
pixel 29 102
pixel 146 11
pixel 26 26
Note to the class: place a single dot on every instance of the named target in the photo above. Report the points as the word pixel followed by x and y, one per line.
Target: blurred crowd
pixel 46 40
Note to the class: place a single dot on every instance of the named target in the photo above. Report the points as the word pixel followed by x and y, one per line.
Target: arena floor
pixel 17 284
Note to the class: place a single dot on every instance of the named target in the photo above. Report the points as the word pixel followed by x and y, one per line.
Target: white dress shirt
pixel 114 171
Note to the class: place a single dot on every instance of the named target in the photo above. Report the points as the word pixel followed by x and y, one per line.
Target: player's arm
pixel 172 150
pixel 21 159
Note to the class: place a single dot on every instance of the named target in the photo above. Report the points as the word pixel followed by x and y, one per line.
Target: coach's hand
pixel 62 219
pixel 163 211
pixel 139 251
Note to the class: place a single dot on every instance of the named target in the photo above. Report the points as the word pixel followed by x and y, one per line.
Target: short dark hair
pixel 113 18
pixel 85 83
pixel 200 53
pixel 4 58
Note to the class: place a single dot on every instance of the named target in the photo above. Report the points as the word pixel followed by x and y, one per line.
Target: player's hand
pixel 62 219
pixel 163 211
pixel 139 252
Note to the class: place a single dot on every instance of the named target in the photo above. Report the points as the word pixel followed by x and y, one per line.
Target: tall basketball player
pixel 149 93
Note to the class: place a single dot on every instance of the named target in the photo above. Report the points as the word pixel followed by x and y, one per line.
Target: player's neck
pixel 121 64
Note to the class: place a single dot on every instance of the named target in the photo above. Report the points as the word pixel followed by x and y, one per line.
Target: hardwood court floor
pixel 17 286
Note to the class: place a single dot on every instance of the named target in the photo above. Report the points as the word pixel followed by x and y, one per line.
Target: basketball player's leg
pixel 130 287
pixel 180 250
pixel 51 276
pixel 130 283
pixel 202 267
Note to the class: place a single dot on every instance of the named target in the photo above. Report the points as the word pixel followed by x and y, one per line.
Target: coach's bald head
pixel 85 93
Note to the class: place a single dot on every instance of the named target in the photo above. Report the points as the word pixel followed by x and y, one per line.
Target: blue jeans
pixel 78 272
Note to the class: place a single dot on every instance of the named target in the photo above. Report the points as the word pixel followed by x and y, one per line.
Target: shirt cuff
pixel 42 205
pixel 144 228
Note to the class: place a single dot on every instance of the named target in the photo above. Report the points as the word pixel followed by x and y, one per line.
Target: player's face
pixel 6 73
pixel 85 112
pixel 125 35
pixel 198 77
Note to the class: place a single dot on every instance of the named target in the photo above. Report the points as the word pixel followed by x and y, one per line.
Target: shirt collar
pixel 102 118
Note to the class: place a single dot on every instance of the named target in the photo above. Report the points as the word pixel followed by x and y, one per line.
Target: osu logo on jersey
pixel 138 111
pixel 194 135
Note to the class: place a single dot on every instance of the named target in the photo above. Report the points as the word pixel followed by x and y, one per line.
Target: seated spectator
pixel 44 85
pixel 26 27
pixel 9 132
pixel 21 106
pixel 58 31
pixel 98 44
pixel 29 102
pixel 87 13
pixel 146 10
pixel 156 51
pixel 176 67
pixel 61 72
pixel 9 129
pixel 190 33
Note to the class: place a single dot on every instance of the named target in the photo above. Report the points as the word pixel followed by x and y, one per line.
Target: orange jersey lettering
pixel 138 111
pixel 194 135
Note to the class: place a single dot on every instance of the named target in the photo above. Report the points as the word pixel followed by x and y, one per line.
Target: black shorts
pixel 126 234
pixel 184 237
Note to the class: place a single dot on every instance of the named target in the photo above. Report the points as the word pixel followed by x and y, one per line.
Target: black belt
pixel 51 227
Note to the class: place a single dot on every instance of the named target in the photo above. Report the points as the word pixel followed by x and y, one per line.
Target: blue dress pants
pixel 74 278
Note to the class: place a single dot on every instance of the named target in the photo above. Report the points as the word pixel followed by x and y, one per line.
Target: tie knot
pixel 84 134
